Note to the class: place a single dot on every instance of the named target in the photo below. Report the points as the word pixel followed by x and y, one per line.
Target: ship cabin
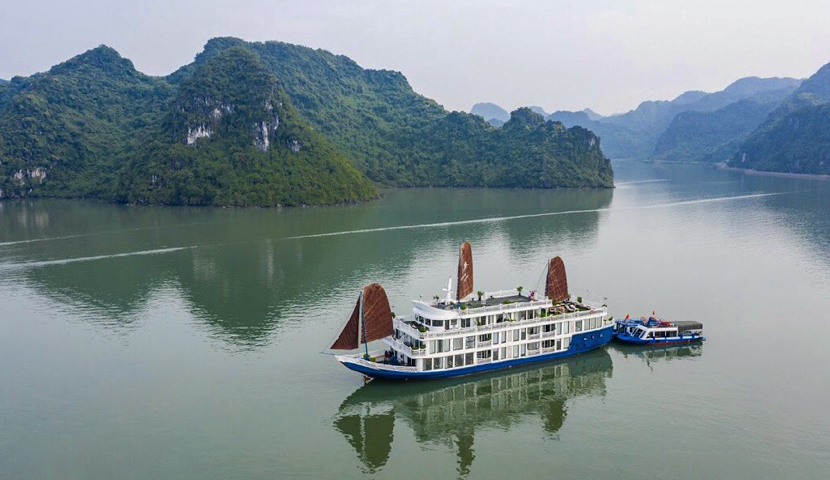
pixel 498 326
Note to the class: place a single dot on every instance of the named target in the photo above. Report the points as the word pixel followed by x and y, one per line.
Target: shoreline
pixel 761 173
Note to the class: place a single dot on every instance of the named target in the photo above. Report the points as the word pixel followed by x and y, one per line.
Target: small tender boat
pixel 466 333
pixel 655 331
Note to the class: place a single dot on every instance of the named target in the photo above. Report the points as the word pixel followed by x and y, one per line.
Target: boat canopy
pixel 371 320
pixel 556 287
pixel 686 326
pixel 465 271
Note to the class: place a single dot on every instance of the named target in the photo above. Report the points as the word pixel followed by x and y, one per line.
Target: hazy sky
pixel 604 54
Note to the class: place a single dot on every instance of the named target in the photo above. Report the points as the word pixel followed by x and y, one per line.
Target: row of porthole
pixel 585 339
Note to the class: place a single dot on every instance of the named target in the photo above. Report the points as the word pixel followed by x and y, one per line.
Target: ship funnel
pixel 556 287
pixel 371 320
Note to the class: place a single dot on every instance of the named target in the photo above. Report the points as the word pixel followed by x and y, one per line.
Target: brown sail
pixel 377 315
pixel 348 339
pixel 465 271
pixel 374 323
pixel 557 285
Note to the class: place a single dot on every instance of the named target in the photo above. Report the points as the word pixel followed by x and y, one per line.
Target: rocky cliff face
pixel 215 101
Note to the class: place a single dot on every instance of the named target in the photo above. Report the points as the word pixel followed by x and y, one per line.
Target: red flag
pixel 627 316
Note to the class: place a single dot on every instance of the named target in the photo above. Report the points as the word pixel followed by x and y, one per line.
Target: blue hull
pixel 580 343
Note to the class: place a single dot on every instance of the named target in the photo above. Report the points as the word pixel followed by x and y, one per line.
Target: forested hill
pixel 391 132
pixel 795 137
pixel 95 127
pixel 263 124
pixel 713 137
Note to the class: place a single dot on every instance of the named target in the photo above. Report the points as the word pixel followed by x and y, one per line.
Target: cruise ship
pixel 471 332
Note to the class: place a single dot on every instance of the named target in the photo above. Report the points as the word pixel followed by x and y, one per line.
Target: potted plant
pixel 578 299
pixel 480 294
pixel 519 289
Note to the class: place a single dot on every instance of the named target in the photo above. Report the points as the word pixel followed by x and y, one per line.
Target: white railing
pixel 480 361
pixel 505 308
pixel 383 366
pixel 432 334
pixel 534 336
pixel 548 334
pixel 405 349
pixel 407 328
pixel 487 343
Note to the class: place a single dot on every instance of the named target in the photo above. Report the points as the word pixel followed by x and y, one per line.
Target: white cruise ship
pixel 471 332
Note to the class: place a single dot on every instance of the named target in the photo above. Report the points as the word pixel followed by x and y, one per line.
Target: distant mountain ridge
pixel 714 136
pixel 795 137
pixel 635 134
pixel 490 111
pixel 265 124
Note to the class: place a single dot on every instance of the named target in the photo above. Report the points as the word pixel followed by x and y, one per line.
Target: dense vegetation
pixel 795 137
pixel 233 138
pixel 391 132
pixel 712 137
pixel 65 132
pixel 263 124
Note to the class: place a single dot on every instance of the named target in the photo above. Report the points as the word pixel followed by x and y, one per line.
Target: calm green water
pixel 185 343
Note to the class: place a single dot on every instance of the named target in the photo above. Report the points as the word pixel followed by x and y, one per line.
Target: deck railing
pixel 437 334
pixel 384 366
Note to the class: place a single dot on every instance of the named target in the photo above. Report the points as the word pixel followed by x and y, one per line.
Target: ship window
pixel 459 360
pixel 496 337
pixel 465 322
pixel 523 333
pixel 468 358
pixel 471 342
pixel 515 351
pixel 449 361
pixel 427 364
pixel 566 342
pixel 437 323
pixel 578 326
pixel 484 354
pixel 516 335
pixel 436 363
pixel 496 354
pixel 559 344
pixel 457 343
pixel 503 353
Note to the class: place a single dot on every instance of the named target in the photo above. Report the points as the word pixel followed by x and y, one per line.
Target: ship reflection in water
pixel 449 412
pixel 651 354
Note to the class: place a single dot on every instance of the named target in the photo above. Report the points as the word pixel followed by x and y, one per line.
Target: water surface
pixel 179 343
